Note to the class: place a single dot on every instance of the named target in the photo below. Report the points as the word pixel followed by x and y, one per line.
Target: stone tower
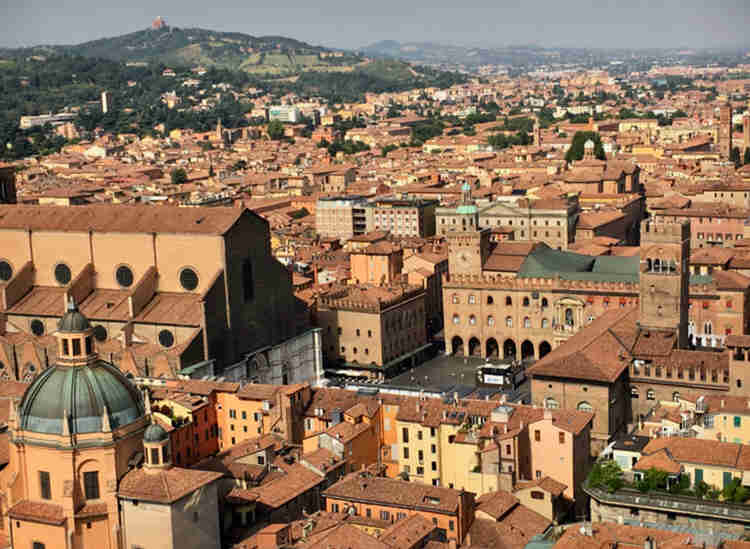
pixel 664 278
pixel 467 251
pixel 725 131
pixel 746 132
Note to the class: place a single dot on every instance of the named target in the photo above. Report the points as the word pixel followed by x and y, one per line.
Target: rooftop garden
pixel 607 475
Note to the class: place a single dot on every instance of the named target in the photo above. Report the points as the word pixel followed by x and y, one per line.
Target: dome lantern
pixel 75 338
pixel 156 448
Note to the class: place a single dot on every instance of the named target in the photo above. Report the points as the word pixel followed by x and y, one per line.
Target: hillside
pixel 272 55
pixel 444 54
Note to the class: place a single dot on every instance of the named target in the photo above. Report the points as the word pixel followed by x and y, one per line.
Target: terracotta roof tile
pixel 37 511
pixel 120 218
pixel 164 486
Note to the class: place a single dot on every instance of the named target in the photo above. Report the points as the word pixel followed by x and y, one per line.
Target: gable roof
pixel 120 218
pixel 593 350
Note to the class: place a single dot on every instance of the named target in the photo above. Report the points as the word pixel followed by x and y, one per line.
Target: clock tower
pixel 467 251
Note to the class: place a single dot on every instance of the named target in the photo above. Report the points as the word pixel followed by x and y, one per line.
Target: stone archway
pixel 475 348
pixel 509 349
pixel 527 349
pixel 544 349
pixel 457 346
pixel 493 349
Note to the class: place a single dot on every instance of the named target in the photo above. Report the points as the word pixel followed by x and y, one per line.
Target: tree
pixel 275 130
pixel 653 479
pixel 734 156
pixel 576 150
pixel 606 475
pixel 388 148
pixel 734 491
pixel 179 176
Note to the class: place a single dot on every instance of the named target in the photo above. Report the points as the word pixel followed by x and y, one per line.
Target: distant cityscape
pixel 285 296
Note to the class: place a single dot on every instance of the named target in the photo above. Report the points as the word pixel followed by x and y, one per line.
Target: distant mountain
pixel 272 55
pixel 444 54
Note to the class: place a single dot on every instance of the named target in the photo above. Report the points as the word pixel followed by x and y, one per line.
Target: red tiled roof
pixel 37 511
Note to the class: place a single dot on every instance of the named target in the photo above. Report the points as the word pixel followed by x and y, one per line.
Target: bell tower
pixel 664 278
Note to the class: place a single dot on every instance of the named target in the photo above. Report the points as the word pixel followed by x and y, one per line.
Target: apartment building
pixel 403 217
pixel 482 447
pixel 452 511
pixel 342 217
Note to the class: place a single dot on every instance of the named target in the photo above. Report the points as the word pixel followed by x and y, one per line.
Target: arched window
pixel 545 323
pixel 545 303
pixel 634 393
pixel 454 299
pixel 490 300
pixel 708 328
pixel 456 319
pixel 508 300
pixel 648 264
pixel 551 403
pixel 490 320
pixel 676 396
pixel 657 265
pixel 525 301
pixel 585 407
pixel 472 299
pixel 472 320
pixel 569 317
pixel 509 322
pixel 650 394
pixel 527 322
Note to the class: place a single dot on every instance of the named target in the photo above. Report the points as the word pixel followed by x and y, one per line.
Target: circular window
pixel 100 333
pixel 62 273
pixel 37 327
pixel 166 338
pixel 188 279
pixel 6 271
pixel 124 276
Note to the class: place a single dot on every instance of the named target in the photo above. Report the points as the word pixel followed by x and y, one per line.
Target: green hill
pixel 192 46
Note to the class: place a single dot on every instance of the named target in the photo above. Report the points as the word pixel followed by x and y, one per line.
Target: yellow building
pixel 482 447
pixel 715 463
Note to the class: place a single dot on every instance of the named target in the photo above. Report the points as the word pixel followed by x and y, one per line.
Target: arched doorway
pixel 509 349
pixel 475 348
pixel 544 348
pixel 457 346
pixel 527 349
pixel 493 350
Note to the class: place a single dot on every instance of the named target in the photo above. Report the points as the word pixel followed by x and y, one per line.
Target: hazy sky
pixel 354 23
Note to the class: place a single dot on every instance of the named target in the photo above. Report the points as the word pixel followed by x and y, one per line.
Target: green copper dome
pixel 154 433
pixel 73 321
pixel 81 392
